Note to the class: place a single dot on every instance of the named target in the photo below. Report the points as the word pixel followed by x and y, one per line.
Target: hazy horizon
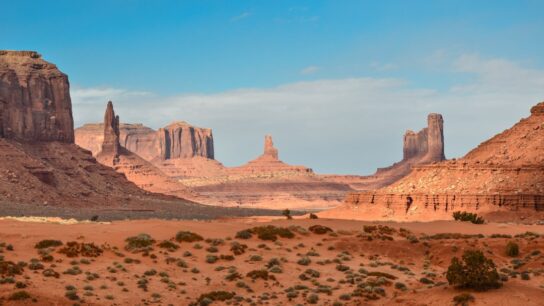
pixel 337 85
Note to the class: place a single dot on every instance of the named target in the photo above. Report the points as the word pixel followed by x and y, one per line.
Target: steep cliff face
pixel 111 145
pixel 42 170
pixel 181 140
pixel 178 140
pixel 136 169
pixel 35 100
pixel 419 148
pixel 503 174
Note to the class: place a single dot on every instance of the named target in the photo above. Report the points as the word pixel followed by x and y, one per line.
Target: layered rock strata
pixel 35 100
pixel 177 140
pixel 419 148
pixel 504 174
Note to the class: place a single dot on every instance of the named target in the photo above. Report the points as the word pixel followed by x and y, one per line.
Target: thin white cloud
pixel 309 70
pixel 243 15
pixel 382 67
pixel 350 125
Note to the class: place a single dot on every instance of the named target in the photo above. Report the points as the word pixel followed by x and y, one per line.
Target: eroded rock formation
pixel 42 170
pixel 419 148
pixel 110 144
pixel 181 140
pixel 504 174
pixel 35 100
pixel 178 140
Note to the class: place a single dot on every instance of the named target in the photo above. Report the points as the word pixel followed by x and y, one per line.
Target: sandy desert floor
pixel 357 263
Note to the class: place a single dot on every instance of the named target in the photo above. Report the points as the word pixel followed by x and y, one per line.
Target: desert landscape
pixel 114 197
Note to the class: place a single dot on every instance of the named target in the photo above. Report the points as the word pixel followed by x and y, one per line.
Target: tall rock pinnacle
pixel 111 144
pixel 426 145
pixel 269 149
pixel 435 138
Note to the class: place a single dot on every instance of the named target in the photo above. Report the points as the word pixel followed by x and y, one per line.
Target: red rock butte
pixel 502 178
pixel 35 100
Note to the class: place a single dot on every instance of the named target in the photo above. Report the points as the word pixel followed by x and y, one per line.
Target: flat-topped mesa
pixel 111 145
pixel 35 102
pixel 182 140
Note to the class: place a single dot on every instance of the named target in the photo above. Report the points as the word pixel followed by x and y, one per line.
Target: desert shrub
pixel 475 271
pixel 382 274
pixel 512 249
pixel 74 249
pixel 467 217
pixel 238 248
pixel 313 216
pixel 211 259
pixel 263 274
pixel 214 296
pixel 19 296
pixel 304 261
pixel 319 229
pixel 50 273
pixel 139 243
pixel 312 299
pixel 47 244
pixel 309 274
pixel 168 245
pixel 401 286
pixel 187 236
pixel 271 232
pixel 244 234
pixel 463 299
pixel 71 295
pixel 426 281
pixel 9 268
pixel 287 214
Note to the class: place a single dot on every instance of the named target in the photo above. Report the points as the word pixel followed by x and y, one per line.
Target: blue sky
pixel 335 82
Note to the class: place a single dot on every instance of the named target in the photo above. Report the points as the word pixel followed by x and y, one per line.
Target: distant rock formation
pixel 269 150
pixel 503 176
pixel 178 140
pixel 42 170
pixel 269 162
pixel 34 99
pixel 423 147
pixel 136 169
pixel 426 145
pixel 181 140
pixel 111 145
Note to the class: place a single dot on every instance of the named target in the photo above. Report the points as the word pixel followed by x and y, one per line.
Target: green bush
pixel 187 236
pixel 467 217
pixel 475 271
pixel 512 249
pixel 47 244
pixel 140 243
pixel 19 296
pixel 271 232
pixel 313 216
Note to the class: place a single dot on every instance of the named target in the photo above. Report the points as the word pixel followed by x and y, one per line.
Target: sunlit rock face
pixel 35 100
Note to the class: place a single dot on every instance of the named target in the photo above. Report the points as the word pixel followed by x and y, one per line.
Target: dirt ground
pixel 350 265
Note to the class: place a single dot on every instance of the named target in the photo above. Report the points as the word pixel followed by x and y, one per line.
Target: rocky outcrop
pixel 178 140
pixel 110 144
pixel 269 163
pixel 503 174
pixel 42 169
pixel 35 100
pixel 181 140
pixel 419 148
